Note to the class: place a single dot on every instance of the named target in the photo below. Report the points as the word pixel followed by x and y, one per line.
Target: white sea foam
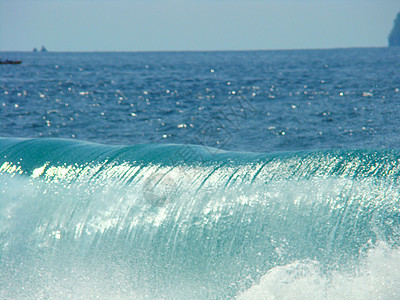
pixel 377 277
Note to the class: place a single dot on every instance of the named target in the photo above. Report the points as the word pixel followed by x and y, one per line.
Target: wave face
pixel 80 219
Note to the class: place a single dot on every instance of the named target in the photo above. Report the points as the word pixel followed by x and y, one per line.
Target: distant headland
pixel 394 36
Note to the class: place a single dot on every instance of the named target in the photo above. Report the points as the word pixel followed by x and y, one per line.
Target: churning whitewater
pixel 80 219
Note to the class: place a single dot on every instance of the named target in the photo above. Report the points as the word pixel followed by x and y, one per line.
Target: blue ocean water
pixel 200 175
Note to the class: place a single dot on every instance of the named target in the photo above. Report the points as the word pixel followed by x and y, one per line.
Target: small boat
pixel 10 62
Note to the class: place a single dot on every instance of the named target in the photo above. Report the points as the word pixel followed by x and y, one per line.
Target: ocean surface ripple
pixel 200 175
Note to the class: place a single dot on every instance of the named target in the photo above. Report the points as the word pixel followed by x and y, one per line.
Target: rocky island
pixel 394 36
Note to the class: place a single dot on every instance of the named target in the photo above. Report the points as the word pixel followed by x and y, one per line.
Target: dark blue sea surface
pixel 254 101
pixel 200 175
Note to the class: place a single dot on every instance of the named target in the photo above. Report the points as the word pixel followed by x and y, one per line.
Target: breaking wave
pixel 81 220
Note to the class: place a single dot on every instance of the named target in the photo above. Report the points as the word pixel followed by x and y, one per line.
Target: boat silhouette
pixel 10 62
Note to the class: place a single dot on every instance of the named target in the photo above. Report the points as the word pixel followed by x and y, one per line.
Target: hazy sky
pixel 141 25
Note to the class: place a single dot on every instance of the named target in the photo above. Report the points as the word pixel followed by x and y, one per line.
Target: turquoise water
pixel 274 186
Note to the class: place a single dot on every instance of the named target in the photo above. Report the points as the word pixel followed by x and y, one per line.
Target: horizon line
pixel 189 50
